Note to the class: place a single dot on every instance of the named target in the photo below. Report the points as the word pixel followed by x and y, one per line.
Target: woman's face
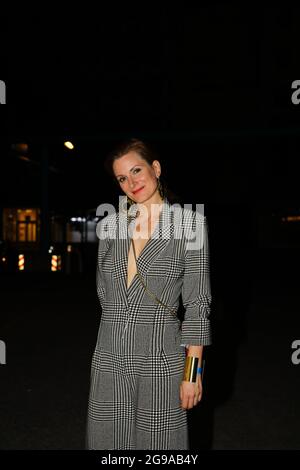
pixel 136 177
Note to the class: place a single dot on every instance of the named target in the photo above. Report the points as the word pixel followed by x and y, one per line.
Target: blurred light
pixel 69 145
pixel 56 263
pixel 78 219
pixel 20 147
pixel 69 248
pixel 3 259
pixel 26 159
pixel 50 249
pixel 291 218
pixel 21 262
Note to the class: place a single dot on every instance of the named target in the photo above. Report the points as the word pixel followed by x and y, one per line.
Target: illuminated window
pixel 21 225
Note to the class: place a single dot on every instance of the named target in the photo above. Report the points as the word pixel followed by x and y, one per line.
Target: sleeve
pixel 196 291
pixel 103 245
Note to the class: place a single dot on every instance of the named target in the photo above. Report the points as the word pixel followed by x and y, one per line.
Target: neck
pixel 151 205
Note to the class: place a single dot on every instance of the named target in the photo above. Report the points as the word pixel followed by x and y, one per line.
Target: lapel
pixel 160 237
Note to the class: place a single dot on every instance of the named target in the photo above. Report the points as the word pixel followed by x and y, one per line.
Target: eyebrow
pixel 117 176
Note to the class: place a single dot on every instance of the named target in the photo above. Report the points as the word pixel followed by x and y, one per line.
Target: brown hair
pixel 146 152
pixel 130 145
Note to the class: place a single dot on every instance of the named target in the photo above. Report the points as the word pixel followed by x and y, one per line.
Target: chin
pixel 140 200
pixel 141 197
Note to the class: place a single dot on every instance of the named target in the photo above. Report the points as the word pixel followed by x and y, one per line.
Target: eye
pixel 134 171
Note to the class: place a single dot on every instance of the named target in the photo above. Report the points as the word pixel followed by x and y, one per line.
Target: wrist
pixel 190 368
pixel 195 351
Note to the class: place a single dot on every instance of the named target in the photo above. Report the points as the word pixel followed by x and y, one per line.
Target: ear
pixel 157 168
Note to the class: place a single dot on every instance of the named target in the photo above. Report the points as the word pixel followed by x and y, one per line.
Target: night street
pixel 170 119
pixel 49 324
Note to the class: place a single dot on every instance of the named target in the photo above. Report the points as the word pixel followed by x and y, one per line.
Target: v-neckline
pixel 138 257
pixel 135 274
pixel 142 251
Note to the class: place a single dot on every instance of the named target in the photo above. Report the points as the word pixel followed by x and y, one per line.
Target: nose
pixel 131 182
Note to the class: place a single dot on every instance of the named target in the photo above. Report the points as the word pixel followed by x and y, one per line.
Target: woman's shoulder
pixel 109 219
pixel 106 226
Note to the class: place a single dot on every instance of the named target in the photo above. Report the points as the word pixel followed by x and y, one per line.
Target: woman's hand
pixel 190 392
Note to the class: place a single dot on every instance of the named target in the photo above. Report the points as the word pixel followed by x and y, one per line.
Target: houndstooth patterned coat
pixel 138 363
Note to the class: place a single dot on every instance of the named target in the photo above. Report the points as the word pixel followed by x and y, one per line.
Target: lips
pixel 134 192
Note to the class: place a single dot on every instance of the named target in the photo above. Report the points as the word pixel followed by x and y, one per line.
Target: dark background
pixel 210 89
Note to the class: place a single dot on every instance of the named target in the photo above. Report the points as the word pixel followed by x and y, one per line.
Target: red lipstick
pixel 137 190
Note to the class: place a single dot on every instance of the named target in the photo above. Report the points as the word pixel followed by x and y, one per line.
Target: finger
pixel 197 396
pixel 187 401
pixel 184 401
pixel 196 399
pixel 191 402
pixel 199 389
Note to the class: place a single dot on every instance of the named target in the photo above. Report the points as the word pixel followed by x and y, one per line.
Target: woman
pixel 146 366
